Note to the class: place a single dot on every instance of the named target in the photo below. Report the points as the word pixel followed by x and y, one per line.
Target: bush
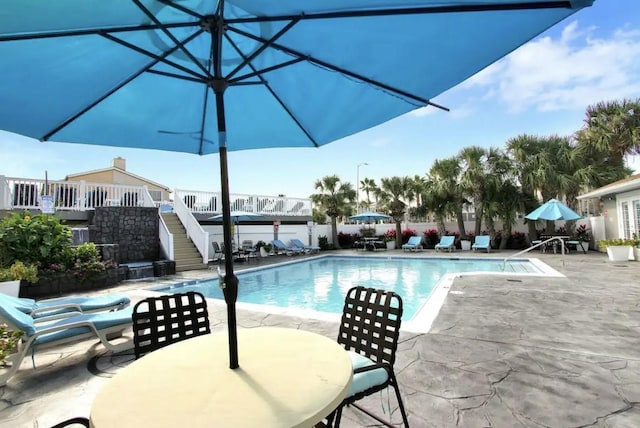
pixel 346 239
pixel 40 240
pixel 389 235
pixel 604 243
pixel 408 233
pixel 323 243
pixel 8 342
pixel 19 271
pixel 430 238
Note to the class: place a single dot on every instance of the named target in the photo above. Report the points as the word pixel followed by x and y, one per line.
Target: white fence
pixel 211 203
pixel 26 193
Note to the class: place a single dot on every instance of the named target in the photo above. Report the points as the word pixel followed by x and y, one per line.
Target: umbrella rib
pixel 160 58
pixel 184 50
pixel 351 74
pixel 266 70
pixel 412 11
pixel 175 76
pixel 95 31
pixel 263 47
pixel 274 95
pixel 110 92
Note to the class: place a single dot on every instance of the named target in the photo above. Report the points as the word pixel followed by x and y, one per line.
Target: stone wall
pixel 133 229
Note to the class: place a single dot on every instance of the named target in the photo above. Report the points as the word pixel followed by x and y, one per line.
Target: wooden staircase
pixel 186 255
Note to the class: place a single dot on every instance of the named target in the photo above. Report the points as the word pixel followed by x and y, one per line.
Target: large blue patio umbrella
pixel 209 76
pixel 553 210
pixel 369 216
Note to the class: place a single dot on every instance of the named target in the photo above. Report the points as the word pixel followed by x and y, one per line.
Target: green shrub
pixel 8 342
pixel 19 271
pixel 604 243
pixel 41 239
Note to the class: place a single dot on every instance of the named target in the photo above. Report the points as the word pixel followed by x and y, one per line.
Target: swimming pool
pixel 320 284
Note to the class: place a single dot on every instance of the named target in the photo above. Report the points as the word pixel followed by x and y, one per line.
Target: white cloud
pixel 571 71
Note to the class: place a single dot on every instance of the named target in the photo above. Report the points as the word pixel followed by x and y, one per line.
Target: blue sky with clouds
pixel 542 88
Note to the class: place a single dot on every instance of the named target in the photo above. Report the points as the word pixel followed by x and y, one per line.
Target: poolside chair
pixel 483 242
pixel 413 244
pixel 369 331
pixel 39 334
pixel 163 320
pixel 446 243
pixel 306 248
pixel 61 307
pixel 218 253
pixel 280 248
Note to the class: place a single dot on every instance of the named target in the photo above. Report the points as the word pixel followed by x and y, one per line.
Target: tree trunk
pixel 334 232
pixel 461 228
pixel 398 234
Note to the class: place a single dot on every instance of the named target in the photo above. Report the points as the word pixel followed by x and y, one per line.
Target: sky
pixel 542 88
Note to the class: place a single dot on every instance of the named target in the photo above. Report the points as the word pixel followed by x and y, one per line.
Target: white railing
pixel 560 240
pixel 26 193
pixel 195 232
pixel 211 203
pixel 166 239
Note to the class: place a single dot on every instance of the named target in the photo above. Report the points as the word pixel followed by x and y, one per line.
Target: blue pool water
pixel 320 284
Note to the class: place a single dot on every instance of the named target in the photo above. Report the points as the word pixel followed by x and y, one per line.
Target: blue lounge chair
pixel 307 248
pixel 446 243
pixel 414 244
pixel 283 249
pixel 39 334
pixel 483 242
pixel 61 307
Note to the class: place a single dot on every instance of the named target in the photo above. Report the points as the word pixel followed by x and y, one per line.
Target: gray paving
pixel 504 351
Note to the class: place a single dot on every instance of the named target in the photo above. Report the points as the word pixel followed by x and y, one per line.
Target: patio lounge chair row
pixel 57 321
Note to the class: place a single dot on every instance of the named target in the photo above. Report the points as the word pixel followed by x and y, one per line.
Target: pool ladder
pixel 539 244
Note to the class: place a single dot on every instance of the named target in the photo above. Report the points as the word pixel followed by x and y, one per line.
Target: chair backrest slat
pixel 163 320
pixel 370 323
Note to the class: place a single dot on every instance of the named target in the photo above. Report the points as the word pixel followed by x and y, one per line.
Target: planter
pixel 465 245
pixel 12 288
pixel 636 253
pixel 620 253
pixel 391 245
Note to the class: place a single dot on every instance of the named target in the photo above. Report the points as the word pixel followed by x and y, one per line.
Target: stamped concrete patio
pixel 505 351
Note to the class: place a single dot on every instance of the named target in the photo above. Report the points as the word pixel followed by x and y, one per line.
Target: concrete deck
pixel 505 351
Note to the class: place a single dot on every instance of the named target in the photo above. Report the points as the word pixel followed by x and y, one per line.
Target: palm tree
pixel 612 128
pixel 335 199
pixel 369 187
pixel 443 179
pixel 393 194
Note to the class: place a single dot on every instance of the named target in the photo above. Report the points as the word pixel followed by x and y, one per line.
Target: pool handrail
pixel 539 244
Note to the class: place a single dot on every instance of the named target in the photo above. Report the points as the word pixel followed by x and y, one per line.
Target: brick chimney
pixel 120 163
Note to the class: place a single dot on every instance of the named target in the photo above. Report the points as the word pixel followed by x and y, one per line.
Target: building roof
pixel 122 171
pixel 625 185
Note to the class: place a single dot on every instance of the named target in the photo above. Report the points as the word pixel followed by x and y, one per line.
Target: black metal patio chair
pixel 369 330
pixel 163 320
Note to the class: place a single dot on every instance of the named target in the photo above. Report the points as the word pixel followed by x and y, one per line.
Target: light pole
pixel 358 186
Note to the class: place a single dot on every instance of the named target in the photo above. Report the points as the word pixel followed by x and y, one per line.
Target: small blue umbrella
pixel 237 217
pixel 211 76
pixel 553 210
pixel 369 216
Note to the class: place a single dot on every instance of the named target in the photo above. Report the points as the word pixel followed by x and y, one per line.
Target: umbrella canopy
pixel 208 76
pixel 369 216
pixel 237 217
pixel 553 210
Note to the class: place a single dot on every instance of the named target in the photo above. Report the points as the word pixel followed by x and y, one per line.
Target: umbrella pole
pixel 230 289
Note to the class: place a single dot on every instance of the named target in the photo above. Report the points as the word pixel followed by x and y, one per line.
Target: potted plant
pixel 465 243
pixel 618 250
pixel 10 342
pixel 390 239
pixel 10 277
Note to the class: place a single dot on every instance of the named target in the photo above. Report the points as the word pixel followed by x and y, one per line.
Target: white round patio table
pixel 286 378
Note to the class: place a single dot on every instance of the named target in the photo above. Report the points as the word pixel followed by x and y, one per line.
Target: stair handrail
pixel 539 244
pixel 166 238
pixel 195 231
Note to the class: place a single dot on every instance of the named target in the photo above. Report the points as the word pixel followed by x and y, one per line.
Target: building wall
pixel 118 177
